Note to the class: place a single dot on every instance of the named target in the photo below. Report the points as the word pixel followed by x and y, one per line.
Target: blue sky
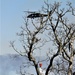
pixel 11 19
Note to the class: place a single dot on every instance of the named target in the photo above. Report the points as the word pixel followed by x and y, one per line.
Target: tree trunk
pixel 70 69
pixel 70 66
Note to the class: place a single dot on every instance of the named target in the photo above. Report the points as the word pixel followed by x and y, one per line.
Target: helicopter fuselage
pixel 36 15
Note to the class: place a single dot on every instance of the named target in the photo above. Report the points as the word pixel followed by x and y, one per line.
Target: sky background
pixel 11 19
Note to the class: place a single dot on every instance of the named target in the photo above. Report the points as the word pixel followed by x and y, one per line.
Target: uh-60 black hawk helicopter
pixel 35 15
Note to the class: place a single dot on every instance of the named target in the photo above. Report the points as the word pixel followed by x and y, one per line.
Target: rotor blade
pixel 30 11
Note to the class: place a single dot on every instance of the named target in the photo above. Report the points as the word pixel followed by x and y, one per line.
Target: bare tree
pixel 58 30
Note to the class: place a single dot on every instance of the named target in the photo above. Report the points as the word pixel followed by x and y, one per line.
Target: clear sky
pixel 11 19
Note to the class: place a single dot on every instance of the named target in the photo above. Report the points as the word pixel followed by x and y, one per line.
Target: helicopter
pixel 35 15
